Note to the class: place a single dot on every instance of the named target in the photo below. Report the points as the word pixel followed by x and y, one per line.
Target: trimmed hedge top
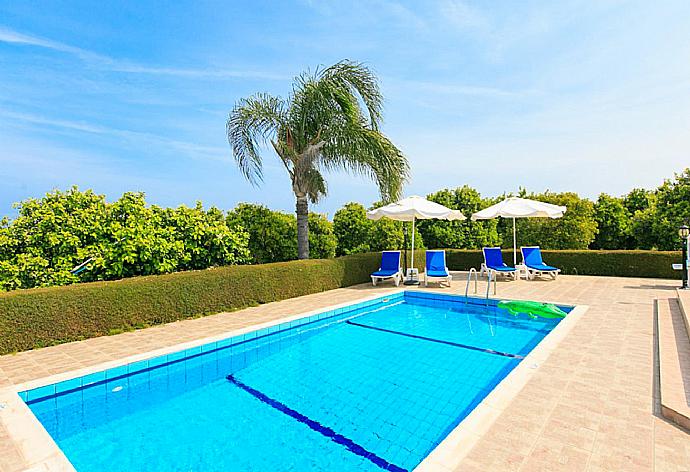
pixel 41 317
pixel 45 316
pixel 652 264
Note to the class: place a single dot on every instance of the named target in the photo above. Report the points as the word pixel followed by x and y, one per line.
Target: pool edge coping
pixel 41 452
pixel 450 453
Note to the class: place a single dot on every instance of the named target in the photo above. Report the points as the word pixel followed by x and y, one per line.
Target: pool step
pixel 674 361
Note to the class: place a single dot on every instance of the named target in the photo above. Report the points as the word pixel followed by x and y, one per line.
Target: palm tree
pixel 329 122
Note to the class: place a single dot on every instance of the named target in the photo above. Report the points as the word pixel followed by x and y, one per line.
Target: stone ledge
pixel 674 362
pixel 684 301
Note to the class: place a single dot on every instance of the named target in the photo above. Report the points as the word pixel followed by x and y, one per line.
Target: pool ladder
pixel 469 279
pixel 476 281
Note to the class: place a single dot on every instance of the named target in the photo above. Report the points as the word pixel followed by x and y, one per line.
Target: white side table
pixel 522 271
pixel 412 274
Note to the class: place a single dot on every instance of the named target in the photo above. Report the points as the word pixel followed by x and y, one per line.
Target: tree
pixel 386 234
pixel 49 236
pixel 356 233
pixel 575 230
pixel 52 235
pixel 638 199
pixel 352 229
pixel 329 122
pixel 613 223
pixel 465 234
pixel 272 234
pixel 204 238
pixel 322 240
pixel 656 227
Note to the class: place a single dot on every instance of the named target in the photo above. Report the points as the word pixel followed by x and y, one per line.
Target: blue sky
pixel 588 96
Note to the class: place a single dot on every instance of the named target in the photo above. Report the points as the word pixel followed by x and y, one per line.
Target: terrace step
pixel 684 301
pixel 674 361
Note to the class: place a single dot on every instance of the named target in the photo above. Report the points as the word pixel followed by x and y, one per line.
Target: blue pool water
pixel 375 386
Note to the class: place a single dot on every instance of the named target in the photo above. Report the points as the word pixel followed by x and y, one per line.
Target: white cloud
pixel 14 37
pixel 137 138
pixel 116 65
pixel 195 73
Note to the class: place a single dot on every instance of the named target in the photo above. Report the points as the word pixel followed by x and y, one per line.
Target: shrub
pixel 45 316
pixel 322 241
pixel 125 238
pixel 387 234
pixel 651 264
pixel 575 230
pixel 465 234
pixel 613 223
pixel 656 227
pixel 352 229
pixel 355 233
pixel 272 234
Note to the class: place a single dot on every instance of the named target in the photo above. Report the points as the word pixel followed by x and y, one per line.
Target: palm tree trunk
pixel 302 227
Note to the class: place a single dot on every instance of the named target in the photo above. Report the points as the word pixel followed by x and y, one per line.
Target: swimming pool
pixel 372 386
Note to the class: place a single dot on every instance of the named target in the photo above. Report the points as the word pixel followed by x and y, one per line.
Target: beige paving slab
pixel 590 404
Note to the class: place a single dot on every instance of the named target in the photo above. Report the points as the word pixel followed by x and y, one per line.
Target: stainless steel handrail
pixel 488 285
pixel 469 279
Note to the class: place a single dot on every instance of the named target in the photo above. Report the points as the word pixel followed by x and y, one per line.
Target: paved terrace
pixel 592 406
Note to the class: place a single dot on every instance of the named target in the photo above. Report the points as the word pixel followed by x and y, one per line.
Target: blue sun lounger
pixel 436 267
pixel 390 268
pixel 531 258
pixel 494 265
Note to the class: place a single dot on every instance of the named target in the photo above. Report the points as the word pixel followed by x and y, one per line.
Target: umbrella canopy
pixel 514 207
pixel 414 208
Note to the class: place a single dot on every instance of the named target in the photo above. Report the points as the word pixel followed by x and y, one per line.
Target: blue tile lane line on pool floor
pixel 440 341
pixel 318 427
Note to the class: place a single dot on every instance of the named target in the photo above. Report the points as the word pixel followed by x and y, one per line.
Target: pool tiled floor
pixel 591 406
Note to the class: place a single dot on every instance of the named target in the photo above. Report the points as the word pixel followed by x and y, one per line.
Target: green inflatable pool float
pixel 532 309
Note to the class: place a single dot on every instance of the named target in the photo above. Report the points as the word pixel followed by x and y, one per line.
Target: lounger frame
pixel 532 272
pixel 397 277
pixel 447 278
pixel 495 273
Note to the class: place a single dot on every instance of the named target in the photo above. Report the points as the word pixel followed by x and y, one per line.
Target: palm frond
pixel 358 80
pixel 332 96
pixel 329 122
pixel 367 152
pixel 252 123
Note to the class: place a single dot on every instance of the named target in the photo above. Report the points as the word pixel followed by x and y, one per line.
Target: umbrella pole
pixel 410 280
pixel 514 245
pixel 412 263
pixel 404 248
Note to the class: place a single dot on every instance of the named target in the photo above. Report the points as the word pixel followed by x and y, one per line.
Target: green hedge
pixel 652 264
pixel 45 316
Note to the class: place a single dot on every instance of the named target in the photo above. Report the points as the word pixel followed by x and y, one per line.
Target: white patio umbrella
pixel 414 208
pixel 514 207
